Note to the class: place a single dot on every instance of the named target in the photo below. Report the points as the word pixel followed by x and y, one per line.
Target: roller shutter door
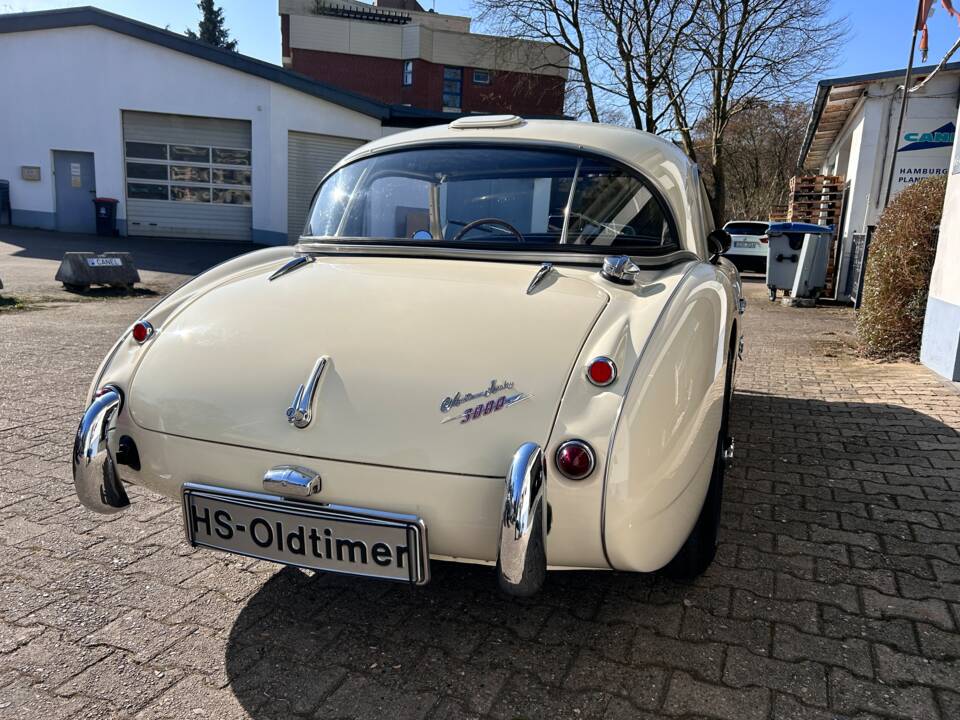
pixel 309 158
pixel 187 177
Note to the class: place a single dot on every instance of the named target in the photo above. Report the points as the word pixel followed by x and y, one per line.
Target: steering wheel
pixel 488 221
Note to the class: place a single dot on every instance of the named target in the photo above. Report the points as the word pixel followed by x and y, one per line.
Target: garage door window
pixel 190 153
pixel 188 173
pixel 147 191
pixel 146 171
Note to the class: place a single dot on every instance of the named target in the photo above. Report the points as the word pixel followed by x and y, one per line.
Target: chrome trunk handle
pixel 300 412
pixel 522 553
pixel 291 480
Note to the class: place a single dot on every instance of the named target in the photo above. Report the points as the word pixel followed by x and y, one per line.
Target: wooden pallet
pixel 818 199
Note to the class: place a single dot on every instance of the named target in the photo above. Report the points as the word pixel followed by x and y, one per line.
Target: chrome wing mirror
pixel 619 269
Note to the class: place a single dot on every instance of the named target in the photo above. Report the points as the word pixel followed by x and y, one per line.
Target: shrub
pixel 897 280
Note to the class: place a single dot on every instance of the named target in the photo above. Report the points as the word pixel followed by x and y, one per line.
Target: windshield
pixel 746 228
pixel 490 196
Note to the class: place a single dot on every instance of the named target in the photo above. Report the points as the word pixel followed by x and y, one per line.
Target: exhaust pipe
pixel 94 472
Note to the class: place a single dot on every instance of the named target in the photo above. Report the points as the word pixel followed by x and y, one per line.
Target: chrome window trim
pixel 558 257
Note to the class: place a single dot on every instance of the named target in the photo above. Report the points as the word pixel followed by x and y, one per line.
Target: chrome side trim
pixel 291 265
pixel 517 256
pixel 539 276
pixel 291 480
pixel 522 552
pixel 300 412
pixel 623 400
pixel 94 473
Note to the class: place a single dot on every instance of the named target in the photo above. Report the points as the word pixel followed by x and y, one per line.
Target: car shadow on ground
pixel 180 257
pixel 301 635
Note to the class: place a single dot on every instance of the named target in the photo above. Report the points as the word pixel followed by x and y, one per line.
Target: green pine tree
pixel 211 29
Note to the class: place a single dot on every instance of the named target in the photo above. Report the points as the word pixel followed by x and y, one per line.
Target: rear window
pixel 507 198
pixel 746 228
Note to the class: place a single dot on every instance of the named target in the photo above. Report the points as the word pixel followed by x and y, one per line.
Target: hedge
pixel 897 279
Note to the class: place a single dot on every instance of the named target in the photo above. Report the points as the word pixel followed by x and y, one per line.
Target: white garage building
pixel 193 141
pixel 852 133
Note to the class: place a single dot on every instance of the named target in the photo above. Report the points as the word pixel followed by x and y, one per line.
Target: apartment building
pixel 397 53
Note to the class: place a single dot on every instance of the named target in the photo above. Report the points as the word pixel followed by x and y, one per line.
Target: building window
pixel 408 72
pixel 452 88
pixel 188 173
pixel 481 77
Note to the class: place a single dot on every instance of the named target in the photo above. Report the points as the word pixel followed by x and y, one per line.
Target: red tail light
pixel 764 239
pixel 142 331
pixel 575 459
pixel 602 371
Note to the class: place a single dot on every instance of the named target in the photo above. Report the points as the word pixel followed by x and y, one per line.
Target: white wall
pixel 864 149
pixel 64 89
pixel 940 350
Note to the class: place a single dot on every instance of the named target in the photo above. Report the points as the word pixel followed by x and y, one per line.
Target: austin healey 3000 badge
pixel 481 403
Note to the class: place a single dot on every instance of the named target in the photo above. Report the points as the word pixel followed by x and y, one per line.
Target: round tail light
pixel 575 459
pixel 602 371
pixel 142 331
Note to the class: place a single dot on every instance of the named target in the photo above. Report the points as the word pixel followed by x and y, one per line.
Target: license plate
pixel 744 244
pixel 104 262
pixel 331 538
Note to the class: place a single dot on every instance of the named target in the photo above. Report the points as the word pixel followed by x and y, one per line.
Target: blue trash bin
pixel 797 251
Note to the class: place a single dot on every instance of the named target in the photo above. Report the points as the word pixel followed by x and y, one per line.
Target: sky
pixel 879 40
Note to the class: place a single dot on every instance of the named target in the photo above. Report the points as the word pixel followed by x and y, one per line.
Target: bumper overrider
pixel 521 550
pixel 94 470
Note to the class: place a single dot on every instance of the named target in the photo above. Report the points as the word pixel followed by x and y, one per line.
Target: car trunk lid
pixel 412 344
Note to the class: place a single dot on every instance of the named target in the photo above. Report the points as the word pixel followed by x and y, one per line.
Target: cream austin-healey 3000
pixel 497 341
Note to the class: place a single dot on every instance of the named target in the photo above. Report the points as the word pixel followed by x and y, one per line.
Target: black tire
pixel 69 287
pixel 699 549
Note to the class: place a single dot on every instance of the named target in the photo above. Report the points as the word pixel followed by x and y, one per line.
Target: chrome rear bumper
pixel 522 551
pixel 94 471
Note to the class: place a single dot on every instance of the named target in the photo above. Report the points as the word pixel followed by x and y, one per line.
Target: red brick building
pixel 399 54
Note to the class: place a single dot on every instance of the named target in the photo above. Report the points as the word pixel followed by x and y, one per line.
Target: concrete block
pixel 798 302
pixel 80 270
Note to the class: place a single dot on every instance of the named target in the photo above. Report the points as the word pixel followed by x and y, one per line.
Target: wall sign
pixel 30 172
pixel 923 152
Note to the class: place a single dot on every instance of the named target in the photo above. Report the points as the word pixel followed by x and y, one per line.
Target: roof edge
pixel 95 17
pixel 825 86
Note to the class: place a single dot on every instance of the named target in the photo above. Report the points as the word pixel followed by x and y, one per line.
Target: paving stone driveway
pixel 836 591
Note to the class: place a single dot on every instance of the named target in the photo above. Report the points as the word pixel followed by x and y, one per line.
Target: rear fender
pixel 662 449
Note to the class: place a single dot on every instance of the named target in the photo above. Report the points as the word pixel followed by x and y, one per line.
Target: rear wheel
pixel 698 551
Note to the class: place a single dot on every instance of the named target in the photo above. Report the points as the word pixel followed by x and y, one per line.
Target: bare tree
pixel 641 42
pixel 748 50
pixel 762 144
pixel 698 63
pixel 565 23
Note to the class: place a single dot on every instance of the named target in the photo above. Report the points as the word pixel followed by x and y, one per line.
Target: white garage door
pixel 309 158
pixel 187 177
